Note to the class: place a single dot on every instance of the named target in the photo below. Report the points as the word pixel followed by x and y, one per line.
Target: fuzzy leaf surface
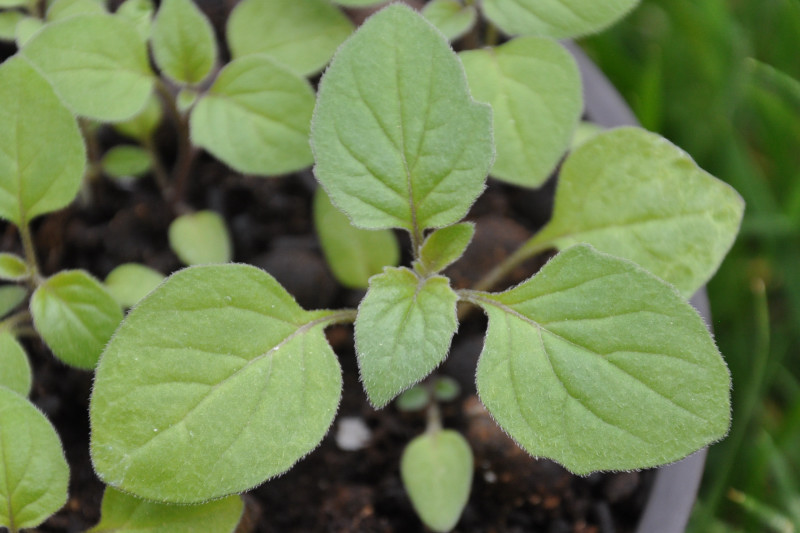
pixel 256 118
pixel 451 17
pixel 12 267
pixel 124 161
pixel 10 297
pixel 140 14
pixel 445 245
pixel 599 365
pixel 61 9
pixel 130 282
pixel 200 238
pixel 635 195
pixel 15 369
pixel 33 471
pixel 235 375
pixel 403 331
pixel 397 138
pixel 183 42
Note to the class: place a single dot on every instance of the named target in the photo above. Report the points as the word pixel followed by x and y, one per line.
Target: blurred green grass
pixel 720 79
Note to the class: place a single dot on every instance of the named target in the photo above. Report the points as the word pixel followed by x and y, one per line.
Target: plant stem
pixel 434 424
pixel 502 270
pixel 30 254
pixel 186 151
pixel 492 36
pixel 13 321
pixel 159 171
pixel 340 316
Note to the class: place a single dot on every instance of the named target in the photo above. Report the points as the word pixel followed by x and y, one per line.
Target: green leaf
pixel 75 317
pixel 303 36
pixel 444 246
pixel 235 375
pixel 599 365
pixel 436 469
pixel 359 3
pixel 35 178
pixel 12 267
pixel 124 513
pixel 61 9
pixel 33 471
pixel 534 88
pixel 559 19
pixel 584 132
pixel 635 195
pixel 142 126
pixel 10 297
pixel 200 238
pixel 15 369
pixel 125 161
pixel 186 99
pixel 398 140
pixel 256 117
pixel 104 74
pixel 446 389
pixel 403 331
pixel 8 24
pixel 353 254
pixel 140 14
pixel 26 29
pixel 13 3
pixel 183 42
pixel 451 17
pixel 130 282
pixel 414 399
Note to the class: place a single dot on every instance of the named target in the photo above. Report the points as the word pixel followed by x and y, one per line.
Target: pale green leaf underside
pixel 103 74
pixel 451 17
pixel 130 282
pixel 303 36
pixel 35 178
pixel 33 471
pixel 436 469
pixel 183 42
pixel 353 254
pixel 235 375
pixel 75 317
pixel 124 513
pixel 10 297
pixel 534 88
pixel 559 19
pixel 12 267
pixel 635 195
pixel 256 118
pixel 8 24
pixel 200 238
pixel 599 365
pixel 125 161
pixel 445 245
pixel 398 141
pixel 403 331
pixel 15 369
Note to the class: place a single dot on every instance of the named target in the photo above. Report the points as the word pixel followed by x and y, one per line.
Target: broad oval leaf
pixel 75 317
pixel 200 238
pixel 235 375
pixel 599 365
pixel 12 267
pixel 103 74
pixel 140 14
pixel 10 297
pixel 436 469
pixel 635 195
pixel 130 282
pixel 33 471
pixel 303 36
pixel 559 19
pixel 256 118
pixel 183 42
pixel 35 178
pixel 124 161
pixel 403 331
pixel 124 513
pixel 397 138
pixel 15 369
pixel 144 124
pixel 444 246
pixel 451 17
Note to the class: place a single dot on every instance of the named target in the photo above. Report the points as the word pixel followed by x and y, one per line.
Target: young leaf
pixel 414 399
pixel 26 29
pixel 8 24
pixel 300 35
pixel 183 42
pixel 534 88
pixel 126 514
pixel 33 471
pixel 359 3
pixel 398 141
pixel 559 19
pixel 61 9
pixel 35 178
pixel 140 14
pixel 142 126
pixel 584 132
pixel 256 118
pixel 15 369
pixel 235 375
pixel 451 17
pixel 103 74
pixel 635 195
pixel 75 317
pixel 437 474
pixel 187 97
pixel 200 238
pixel 124 161
pixel 446 389
pixel 403 331
pixel 444 246
pixel 12 267
pixel 130 282
pixel 599 365
pixel 10 297
pixel 353 254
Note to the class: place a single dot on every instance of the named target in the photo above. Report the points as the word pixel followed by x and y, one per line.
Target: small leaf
pixel 61 9
pixel 403 331
pixel 235 375
pixel 8 24
pixel 635 195
pixel 142 126
pixel 15 369
pixel 10 297
pixel 559 19
pixel 75 317
pixel 183 42
pixel 300 35
pixel 359 3
pixel 186 99
pixel 12 267
pixel 398 140
pixel 26 29
pixel 33 471
pixel 256 117
pixel 124 161
pixel 353 254
pixel 103 74
pixel 124 513
pixel 140 14
pixel 584 132
pixel 130 282
pixel 437 474
pixel 451 17
pixel 34 177
pixel 446 389
pixel 534 88
pixel 444 246
pixel 200 238
pixel 414 399
pixel 599 365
